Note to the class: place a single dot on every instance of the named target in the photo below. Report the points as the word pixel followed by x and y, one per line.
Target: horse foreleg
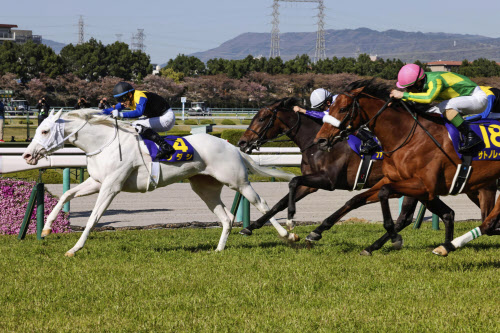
pixel 109 189
pixel 89 186
pixel 405 218
pixel 317 181
pixel 369 196
pixel 302 192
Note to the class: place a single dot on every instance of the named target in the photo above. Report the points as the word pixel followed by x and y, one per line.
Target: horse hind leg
pixel 209 190
pixel 248 192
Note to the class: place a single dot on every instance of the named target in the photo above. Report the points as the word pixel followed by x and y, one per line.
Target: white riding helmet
pixel 319 96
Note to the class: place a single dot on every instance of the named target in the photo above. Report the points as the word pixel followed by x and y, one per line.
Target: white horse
pixel 215 163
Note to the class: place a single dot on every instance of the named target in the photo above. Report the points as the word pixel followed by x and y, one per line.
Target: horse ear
pixel 58 114
pixel 51 112
pixel 357 91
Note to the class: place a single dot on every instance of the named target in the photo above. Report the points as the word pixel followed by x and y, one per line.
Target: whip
pixel 118 136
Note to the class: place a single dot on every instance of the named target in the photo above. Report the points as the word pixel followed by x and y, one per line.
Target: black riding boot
pixel 471 139
pixel 368 143
pixel 165 150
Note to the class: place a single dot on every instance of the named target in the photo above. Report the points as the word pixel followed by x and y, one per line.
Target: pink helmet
pixel 408 75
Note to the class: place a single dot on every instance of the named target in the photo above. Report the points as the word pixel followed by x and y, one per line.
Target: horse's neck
pixel 303 132
pixel 391 127
pixel 90 137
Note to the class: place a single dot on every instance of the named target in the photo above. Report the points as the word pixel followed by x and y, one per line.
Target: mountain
pixel 56 46
pixel 407 46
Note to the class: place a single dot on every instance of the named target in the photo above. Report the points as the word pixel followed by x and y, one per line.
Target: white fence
pixel 11 159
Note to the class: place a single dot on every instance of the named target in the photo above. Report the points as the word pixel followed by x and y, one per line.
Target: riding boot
pixel 368 143
pixel 165 150
pixel 471 139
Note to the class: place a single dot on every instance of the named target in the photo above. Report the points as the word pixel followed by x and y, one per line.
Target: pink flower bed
pixel 14 197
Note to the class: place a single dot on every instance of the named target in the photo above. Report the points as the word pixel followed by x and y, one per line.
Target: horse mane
pixel 94 117
pixel 382 90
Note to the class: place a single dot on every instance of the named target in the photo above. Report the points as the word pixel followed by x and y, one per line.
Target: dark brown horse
pixel 413 165
pixel 331 170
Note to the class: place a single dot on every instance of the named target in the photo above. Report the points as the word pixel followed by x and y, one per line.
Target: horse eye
pixel 45 132
pixel 261 119
pixel 343 110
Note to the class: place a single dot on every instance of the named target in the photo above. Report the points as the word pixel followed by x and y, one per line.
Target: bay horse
pixel 215 163
pixel 327 170
pixel 413 164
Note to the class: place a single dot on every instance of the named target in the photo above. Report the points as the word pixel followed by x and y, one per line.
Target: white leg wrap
pixel 464 239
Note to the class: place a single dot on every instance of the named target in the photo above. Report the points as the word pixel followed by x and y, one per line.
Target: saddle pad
pixel 488 130
pixel 355 144
pixel 184 150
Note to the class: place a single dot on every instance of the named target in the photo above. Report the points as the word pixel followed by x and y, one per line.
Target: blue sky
pixel 187 26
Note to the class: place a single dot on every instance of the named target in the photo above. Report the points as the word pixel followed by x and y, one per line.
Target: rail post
pixel 66 185
pixel 37 195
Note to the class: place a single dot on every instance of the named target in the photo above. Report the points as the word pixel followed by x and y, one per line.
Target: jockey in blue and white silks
pixel 322 99
pixel 159 115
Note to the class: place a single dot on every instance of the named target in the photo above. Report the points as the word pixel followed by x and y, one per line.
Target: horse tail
pixel 264 171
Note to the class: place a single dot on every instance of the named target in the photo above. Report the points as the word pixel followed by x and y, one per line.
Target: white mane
pixel 96 117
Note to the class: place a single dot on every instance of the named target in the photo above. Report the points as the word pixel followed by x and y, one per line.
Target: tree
pixel 189 65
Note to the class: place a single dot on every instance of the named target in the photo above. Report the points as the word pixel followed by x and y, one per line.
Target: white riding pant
pixel 163 123
pixel 473 104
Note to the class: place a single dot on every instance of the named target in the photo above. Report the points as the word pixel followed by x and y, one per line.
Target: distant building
pixel 17 36
pixel 156 69
pixel 444 66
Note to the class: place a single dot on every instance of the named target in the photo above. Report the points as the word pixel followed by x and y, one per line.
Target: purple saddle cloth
pixel 183 149
pixel 355 144
pixel 488 130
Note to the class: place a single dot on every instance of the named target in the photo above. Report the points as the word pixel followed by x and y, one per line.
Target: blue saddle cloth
pixel 183 149
pixel 355 144
pixel 488 130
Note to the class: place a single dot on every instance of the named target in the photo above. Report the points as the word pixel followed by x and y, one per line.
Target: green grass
pixel 172 281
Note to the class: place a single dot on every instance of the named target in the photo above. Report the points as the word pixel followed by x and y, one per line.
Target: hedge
pixel 228 122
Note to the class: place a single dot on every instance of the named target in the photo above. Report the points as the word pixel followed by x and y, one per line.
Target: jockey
pixel 159 115
pixel 457 95
pixel 321 99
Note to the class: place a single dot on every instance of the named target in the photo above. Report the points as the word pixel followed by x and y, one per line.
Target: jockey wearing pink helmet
pixel 456 95
pixel 409 75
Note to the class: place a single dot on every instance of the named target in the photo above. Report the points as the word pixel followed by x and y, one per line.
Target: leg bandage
pixel 464 239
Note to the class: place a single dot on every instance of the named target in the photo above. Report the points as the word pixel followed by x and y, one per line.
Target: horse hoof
pixel 246 232
pixel 46 232
pixel 293 237
pixel 365 253
pixel 313 237
pixel 440 251
pixel 290 224
pixel 398 245
pixel 69 254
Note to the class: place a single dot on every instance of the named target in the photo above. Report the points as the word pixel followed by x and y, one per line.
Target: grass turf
pixel 171 280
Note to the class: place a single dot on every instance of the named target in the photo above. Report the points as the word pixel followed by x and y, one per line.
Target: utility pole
pixel 320 52
pixel 81 25
pixel 138 41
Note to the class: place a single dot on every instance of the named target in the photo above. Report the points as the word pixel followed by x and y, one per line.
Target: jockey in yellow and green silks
pixel 159 115
pixel 456 93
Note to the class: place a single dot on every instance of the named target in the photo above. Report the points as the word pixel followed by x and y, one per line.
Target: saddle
pixel 183 149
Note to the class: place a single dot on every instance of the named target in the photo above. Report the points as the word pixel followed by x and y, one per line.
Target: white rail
pixel 11 159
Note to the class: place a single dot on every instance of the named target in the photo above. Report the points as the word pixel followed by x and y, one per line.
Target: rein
pixel 353 112
pixel 261 134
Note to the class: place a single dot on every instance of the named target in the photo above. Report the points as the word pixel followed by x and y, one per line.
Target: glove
pixel 119 106
pixel 107 111
pixel 115 113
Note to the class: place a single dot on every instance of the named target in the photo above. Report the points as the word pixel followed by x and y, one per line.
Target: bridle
pixel 261 135
pixel 60 144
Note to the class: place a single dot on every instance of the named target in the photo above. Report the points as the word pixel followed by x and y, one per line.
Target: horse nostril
pixel 242 143
pixel 27 156
pixel 322 141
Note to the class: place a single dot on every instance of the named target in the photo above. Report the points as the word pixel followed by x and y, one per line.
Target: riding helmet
pixel 121 89
pixel 319 97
